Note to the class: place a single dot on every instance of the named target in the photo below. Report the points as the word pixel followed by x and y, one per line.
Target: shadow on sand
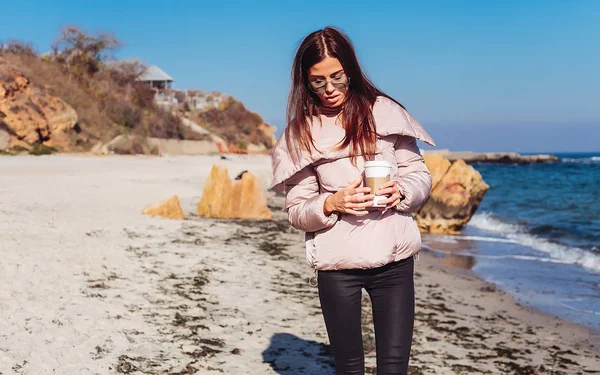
pixel 289 354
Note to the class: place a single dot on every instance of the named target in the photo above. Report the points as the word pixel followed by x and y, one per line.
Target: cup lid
pixel 377 163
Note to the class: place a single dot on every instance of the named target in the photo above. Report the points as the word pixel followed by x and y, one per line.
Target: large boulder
pixel 437 166
pixel 31 114
pixel 456 193
pixel 242 199
pixel 248 200
pixel 170 209
pixel 216 197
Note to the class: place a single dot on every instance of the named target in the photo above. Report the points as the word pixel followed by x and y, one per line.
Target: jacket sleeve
pixel 304 204
pixel 413 178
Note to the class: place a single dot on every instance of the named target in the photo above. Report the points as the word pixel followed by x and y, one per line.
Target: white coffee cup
pixel 377 173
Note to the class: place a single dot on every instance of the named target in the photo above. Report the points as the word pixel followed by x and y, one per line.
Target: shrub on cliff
pixel 105 94
pixel 234 123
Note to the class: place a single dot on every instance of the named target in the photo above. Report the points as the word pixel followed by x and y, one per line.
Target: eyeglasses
pixel 319 86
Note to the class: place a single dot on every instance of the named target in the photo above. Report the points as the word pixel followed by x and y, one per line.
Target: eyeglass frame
pixel 324 87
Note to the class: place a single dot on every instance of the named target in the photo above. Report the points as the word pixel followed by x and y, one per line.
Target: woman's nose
pixel 329 88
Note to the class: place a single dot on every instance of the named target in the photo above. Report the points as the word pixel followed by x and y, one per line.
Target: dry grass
pixel 234 123
pixel 108 103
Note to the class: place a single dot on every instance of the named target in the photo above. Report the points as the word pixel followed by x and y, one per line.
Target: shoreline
pixel 93 286
pixel 530 314
pixel 524 327
pixel 463 264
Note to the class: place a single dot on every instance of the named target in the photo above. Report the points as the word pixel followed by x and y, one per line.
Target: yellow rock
pixel 248 200
pixel 454 198
pixel 242 199
pixel 216 197
pixel 170 209
pixel 30 112
pixel 437 166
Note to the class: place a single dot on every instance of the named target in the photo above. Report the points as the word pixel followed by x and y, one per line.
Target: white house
pixel 156 78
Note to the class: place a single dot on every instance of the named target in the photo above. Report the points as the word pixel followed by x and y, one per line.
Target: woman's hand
pixel 394 196
pixel 350 200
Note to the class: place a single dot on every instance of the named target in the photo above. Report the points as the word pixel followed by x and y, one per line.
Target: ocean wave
pixel 593 159
pixel 455 239
pixel 519 257
pixel 591 312
pixel 517 233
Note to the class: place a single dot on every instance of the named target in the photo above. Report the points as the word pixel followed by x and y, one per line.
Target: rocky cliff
pixel 30 115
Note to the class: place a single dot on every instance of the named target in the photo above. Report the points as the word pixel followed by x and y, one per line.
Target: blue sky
pixel 479 75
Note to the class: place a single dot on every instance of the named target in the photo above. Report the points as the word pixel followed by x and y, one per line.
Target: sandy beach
pixel 89 285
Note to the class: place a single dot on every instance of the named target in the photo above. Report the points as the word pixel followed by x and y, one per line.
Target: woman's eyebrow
pixel 332 74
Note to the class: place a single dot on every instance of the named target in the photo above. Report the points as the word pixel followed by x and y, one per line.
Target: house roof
pixel 154 73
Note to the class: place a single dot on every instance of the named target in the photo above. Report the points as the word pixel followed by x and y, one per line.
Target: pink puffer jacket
pixel 344 241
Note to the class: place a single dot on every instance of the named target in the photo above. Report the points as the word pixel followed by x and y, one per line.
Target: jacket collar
pixel 390 118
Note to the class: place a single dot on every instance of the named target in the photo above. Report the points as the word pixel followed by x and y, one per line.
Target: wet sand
pixel 91 286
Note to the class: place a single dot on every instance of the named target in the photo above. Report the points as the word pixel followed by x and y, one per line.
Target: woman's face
pixel 329 82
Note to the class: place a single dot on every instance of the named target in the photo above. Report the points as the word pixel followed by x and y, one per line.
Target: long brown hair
pixel 303 104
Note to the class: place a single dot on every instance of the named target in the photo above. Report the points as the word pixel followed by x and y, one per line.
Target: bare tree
pixel 83 54
pixel 17 47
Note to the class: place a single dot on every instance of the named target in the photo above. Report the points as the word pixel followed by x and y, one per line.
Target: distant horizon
pixel 556 153
pixel 514 76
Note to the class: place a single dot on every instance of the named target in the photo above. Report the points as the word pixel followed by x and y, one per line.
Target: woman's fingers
pixel 386 185
pixel 392 198
pixel 387 190
pixel 360 190
pixel 361 198
pixel 359 205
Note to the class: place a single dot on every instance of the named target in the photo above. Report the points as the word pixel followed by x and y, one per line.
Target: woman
pixel 337 120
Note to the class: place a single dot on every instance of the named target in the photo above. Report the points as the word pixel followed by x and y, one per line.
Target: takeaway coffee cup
pixel 376 174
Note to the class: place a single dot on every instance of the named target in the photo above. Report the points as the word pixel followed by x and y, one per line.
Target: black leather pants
pixel 391 289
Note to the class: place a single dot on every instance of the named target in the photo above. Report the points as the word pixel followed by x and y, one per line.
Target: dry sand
pixel 91 286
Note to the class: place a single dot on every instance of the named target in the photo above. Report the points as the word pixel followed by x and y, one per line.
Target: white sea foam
pixel 591 312
pixel 455 239
pixel 560 253
pixel 520 257
pixel 487 239
pixel 593 159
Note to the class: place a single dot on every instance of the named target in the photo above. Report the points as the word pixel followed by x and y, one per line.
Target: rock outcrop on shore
pixel 169 209
pixel 494 157
pixel 456 193
pixel 243 198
